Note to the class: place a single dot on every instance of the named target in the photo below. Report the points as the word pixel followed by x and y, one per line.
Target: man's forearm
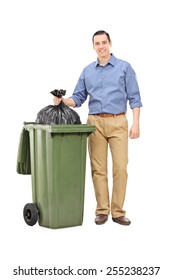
pixel 69 102
pixel 135 131
pixel 136 115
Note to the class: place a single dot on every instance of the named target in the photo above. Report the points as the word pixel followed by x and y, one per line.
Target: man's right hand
pixel 67 101
pixel 57 100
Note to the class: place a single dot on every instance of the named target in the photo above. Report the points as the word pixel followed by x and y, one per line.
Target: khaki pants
pixel 112 132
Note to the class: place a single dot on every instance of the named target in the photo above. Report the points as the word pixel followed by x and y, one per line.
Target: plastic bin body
pixel 58 163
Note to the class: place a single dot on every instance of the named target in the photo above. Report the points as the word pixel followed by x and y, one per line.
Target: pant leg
pixel 98 151
pixel 118 141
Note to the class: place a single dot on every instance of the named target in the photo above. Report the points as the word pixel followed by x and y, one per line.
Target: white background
pixel 45 45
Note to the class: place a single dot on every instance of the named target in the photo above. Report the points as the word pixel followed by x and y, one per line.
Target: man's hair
pixel 101 32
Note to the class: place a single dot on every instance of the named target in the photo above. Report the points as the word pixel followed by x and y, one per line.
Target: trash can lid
pixel 59 128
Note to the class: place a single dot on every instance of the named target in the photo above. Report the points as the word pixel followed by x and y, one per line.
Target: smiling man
pixel 109 83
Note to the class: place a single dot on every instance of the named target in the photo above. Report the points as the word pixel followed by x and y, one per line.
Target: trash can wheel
pixel 30 214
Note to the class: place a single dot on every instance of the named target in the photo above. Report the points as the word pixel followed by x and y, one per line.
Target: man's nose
pixel 101 45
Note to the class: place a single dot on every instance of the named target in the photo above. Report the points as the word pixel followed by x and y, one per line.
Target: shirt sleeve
pixel 132 88
pixel 80 93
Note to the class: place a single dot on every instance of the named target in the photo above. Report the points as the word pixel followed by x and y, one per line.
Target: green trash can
pixel 58 163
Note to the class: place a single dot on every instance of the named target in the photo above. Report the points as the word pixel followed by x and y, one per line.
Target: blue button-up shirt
pixel 109 87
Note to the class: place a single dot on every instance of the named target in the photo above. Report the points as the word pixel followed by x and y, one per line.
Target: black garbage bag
pixel 58 114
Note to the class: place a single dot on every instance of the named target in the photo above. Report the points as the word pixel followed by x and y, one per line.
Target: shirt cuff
pixel 76 100
pixel 136 104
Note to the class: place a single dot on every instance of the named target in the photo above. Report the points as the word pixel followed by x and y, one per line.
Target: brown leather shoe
pixel 101 219
pixel 122 221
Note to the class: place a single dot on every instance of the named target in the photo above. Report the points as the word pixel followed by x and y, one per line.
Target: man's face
pixel 102 46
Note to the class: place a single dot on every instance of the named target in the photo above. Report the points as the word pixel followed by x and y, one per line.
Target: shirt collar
pixel 111 60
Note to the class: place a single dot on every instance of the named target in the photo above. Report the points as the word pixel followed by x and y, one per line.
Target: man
pixel 110 83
